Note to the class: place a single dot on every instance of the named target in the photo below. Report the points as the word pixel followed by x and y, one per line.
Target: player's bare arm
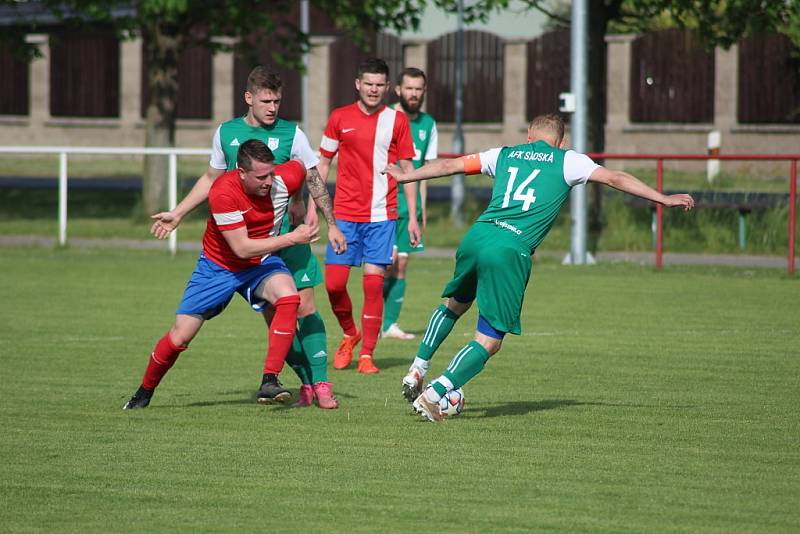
pixel 167 221
pixel 435 169
pixel 245 247
pixel 321 199
pixel 628 183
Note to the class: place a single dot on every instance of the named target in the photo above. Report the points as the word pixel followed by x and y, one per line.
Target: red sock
pixel 336 285
pixel 281 333
pixel 162 358
pixel 372 316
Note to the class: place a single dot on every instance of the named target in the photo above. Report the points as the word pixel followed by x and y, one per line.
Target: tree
pixel 169 26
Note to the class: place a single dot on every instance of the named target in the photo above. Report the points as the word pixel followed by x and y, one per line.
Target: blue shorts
pixel 367 242
pixel 211 286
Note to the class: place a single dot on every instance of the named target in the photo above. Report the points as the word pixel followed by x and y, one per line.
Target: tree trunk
pixel 162 47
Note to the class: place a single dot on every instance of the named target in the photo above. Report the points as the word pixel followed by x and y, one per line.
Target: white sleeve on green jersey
pixel 301 149
pixel 489 161
pixel 217 155
pixel 577 168
pixel 433 144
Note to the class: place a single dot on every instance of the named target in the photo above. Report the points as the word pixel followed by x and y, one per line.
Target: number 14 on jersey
pixel 523 193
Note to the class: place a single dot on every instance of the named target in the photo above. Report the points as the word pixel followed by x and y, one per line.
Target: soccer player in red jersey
pixel 366 135
pixel 247 206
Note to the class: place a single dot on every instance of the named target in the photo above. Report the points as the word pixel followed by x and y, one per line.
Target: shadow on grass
pixel 526 407
pixel 249 397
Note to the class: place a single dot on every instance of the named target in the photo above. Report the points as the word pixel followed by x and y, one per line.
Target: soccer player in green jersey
pixel 308 356
pixel 493 263
pixel 410 89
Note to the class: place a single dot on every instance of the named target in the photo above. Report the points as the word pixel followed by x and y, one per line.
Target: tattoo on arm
pixel 319 192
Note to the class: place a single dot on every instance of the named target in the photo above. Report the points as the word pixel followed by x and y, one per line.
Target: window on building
pixel 482 76
pixel 769 80
pixel 672 78
pixel 84 74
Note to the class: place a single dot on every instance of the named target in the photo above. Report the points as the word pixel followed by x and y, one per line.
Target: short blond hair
pixel 548 127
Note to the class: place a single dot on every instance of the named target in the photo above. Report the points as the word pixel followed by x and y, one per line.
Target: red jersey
pixel 231 208
pixel 366 144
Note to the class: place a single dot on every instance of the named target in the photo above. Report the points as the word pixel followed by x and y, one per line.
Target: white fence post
pixel 62 198
pixel 63 151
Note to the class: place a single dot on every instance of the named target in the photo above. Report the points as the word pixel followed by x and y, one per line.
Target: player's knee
pixel 488 336
pixel 459 304
pixel 307 304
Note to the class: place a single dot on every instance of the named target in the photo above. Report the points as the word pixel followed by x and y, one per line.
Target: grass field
pixel 635 401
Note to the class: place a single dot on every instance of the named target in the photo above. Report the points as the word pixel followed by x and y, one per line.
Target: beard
pixel 411 108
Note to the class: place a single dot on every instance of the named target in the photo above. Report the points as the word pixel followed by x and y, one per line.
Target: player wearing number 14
pixel 493 263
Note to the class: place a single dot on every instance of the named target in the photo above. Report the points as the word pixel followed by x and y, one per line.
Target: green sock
pixel 467 363
pixel 439 327
pixel 311 333
pixel 392 300
pixel 298 362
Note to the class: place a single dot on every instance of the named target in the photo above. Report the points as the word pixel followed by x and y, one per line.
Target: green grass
pixel 635 400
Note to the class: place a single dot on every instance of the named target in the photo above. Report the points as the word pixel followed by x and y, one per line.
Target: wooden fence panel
pixel 483 77
pixel 672 78
pixel 548 73
pixel 291 93
pixel 84 75
pixel 769 80
pixel 14 84
pixel 195 81
pixel 345 58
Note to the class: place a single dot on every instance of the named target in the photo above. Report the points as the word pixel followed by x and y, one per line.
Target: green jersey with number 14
pixel 531 183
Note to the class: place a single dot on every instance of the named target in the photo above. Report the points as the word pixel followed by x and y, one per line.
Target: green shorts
pixel 303 265
pixel 401 241
pixel 493 267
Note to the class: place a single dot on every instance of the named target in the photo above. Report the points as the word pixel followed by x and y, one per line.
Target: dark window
pixel 84 75
pixel 195 80
pixel 548 73
pixel 14 84
pixel 672 78
pixel 769 80
pixel 345 58
pixel 483 77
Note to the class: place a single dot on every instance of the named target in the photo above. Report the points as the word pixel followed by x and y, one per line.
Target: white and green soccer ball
pixel 452 403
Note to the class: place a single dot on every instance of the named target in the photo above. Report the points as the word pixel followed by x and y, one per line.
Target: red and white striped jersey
pixel 366 144
pixel 231 207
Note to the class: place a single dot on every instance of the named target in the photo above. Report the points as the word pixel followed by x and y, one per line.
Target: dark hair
pixel 373 65
pixel 253 150
pixel 260 78
pixel 551 123
pixel 411 72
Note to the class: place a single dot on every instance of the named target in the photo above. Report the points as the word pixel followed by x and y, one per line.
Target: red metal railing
pixel 660 158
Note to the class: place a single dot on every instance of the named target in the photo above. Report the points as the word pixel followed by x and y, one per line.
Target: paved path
pixel 642 258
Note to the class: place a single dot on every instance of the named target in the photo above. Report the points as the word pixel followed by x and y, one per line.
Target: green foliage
pixel 633 401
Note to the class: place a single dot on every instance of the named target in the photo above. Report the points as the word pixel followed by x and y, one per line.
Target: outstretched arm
pixel 166 221
pixel 435 169
pixel 628 183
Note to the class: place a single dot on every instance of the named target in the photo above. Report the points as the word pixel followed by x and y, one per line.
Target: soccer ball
pixel 452 403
